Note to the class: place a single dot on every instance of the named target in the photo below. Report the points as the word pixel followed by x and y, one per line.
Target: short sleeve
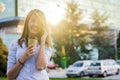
pixel 48 53
pixel 12 55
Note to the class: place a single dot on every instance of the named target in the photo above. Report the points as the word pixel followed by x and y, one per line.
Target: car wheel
pixel 105 74
pixel 118 71
pixel 81 74
pixel 68 76
pixel 90 75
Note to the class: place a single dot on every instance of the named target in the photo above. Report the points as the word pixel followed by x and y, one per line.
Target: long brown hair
pixel 43 27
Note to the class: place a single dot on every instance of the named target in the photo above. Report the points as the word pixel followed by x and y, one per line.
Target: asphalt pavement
pixel 61 74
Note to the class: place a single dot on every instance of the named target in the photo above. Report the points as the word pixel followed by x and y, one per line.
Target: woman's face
pixel 34 25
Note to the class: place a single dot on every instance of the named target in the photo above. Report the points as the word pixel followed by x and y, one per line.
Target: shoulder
pixel 14 43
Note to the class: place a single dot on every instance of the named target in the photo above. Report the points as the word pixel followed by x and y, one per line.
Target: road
pixel 61 74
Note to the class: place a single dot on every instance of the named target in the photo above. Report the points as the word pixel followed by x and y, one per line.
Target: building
pixel 12 19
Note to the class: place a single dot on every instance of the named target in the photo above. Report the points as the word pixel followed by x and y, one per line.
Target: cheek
pixel 34 29
pixel 30 28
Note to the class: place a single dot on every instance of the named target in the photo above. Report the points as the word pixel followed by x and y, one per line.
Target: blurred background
pixel 80 29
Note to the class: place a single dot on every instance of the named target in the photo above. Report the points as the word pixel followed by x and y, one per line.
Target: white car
pixel 78 68
pixel 103 67
pixel 118 62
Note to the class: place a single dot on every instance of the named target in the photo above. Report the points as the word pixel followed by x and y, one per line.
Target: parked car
pixel 78 68
pixel 103 67
pixel 52 65
pixel 118 62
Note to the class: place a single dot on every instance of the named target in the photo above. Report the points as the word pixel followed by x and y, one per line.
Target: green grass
pixel 4 78
pixel 72 79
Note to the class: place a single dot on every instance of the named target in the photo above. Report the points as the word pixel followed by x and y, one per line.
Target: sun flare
pixel 54 13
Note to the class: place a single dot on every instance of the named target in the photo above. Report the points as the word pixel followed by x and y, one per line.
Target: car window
pixel 95 64
pixel 77 65
pixel 118 62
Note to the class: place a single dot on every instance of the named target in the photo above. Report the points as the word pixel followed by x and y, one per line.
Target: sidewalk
pixel 57 74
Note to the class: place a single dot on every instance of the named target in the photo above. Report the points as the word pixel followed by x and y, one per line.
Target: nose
pixel 33 24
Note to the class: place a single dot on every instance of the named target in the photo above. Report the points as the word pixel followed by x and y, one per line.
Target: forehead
pixel 34 16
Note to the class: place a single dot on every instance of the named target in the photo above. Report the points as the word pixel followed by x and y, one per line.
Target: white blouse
pixel 29 70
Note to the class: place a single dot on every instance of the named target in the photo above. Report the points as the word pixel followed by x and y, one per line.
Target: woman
pixel 27 62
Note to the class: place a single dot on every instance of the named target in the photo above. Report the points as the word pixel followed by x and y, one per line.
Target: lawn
pixel 72 79
pixel 4 78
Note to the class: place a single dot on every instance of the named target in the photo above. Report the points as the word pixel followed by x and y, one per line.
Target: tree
pixel 3 58
pixel 73 13
pixel 63 34
pixel 104 37
pixel 73 17
pixel 118 46
pixel 82 36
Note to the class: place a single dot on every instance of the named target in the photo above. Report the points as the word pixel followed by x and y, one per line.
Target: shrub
pixel 3 58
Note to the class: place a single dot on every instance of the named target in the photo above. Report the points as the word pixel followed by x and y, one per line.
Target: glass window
pixel 9 8
pixel 77 64
pixel 95 64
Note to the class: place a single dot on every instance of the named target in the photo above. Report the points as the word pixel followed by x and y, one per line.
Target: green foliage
pixel 71 35
pixel 83 38
pixel 118 46
pixel 3 58
pixel 73 13
pixel 103 37
pixel 63 34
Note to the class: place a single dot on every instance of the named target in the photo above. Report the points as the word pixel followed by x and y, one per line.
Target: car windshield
pixel 77 65
pixel 118 62
pixel 95 64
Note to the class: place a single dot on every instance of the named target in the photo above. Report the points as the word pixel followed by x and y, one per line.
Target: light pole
pixel 116 36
